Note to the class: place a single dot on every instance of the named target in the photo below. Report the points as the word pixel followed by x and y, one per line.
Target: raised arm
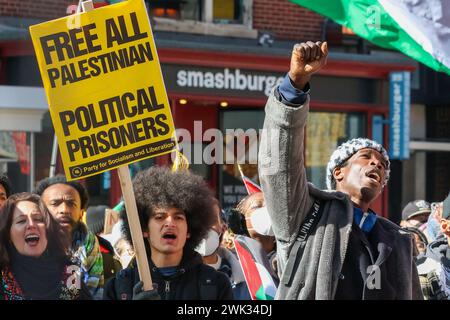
pixel 281 161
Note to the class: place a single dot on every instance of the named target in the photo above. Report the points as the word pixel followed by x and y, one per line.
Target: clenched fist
pixel 307 58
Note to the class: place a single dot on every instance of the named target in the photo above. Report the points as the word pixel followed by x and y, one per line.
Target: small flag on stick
pixel 249 184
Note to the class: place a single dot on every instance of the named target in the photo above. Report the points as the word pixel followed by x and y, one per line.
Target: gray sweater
pixel 289 197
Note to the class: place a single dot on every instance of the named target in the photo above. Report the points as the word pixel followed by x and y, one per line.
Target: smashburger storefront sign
pixel 225 82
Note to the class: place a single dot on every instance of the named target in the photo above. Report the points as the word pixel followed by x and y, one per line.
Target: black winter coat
pixel 193 281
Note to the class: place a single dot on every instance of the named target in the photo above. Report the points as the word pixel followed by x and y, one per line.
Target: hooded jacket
pixel 192 281
pixel 317 267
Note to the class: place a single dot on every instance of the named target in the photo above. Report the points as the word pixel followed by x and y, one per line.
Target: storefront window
pixel 166 8
pixel 241 136
pixel 7 146
pixel 217 11
pixel 227 11
pixel 324 132
pixel 191 10
pixel 15 158
pixel 44 149
pixel 437 173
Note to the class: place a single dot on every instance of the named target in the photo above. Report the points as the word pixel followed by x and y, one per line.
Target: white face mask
pixel 210 244
pixel 261 222
pixel 125 260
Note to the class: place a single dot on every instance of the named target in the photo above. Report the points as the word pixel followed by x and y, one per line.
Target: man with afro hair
pixel 176 210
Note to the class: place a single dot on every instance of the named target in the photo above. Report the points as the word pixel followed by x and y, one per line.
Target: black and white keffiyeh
pixel 349 148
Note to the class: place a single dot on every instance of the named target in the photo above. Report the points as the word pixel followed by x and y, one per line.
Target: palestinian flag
pixel 419 29
pixel 256 268
pixel 249 184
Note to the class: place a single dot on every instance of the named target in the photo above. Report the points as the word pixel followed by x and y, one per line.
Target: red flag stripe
pixel 251 186
pixel 250 269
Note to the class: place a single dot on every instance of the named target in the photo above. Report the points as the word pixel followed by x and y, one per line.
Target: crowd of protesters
pixel 319 244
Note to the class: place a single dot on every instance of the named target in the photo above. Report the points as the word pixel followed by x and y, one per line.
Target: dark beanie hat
pixel 446 208
pixel 95 218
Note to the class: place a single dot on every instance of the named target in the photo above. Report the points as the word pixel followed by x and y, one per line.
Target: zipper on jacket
pixel 167 289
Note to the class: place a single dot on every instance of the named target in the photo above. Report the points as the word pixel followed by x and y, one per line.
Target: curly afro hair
pixel 158 187
pixel 47 182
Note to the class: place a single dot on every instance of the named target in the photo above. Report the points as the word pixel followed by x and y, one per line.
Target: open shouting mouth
pixel 374 175
pixel 169 237
pixel 32 240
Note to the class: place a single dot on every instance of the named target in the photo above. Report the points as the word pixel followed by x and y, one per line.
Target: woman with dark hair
pixel 33 254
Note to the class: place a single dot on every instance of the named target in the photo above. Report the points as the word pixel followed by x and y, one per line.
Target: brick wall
pixel 287 20
pixel 41 9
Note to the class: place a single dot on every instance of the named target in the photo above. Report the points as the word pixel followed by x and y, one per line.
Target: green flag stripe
pixel 360 17
pixel 261 295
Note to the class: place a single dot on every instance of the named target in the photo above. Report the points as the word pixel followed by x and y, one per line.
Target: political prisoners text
pixel 130 105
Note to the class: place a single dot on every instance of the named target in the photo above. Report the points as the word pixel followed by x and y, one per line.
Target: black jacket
pixel 367 254
pixel 193 281
pixel 81 293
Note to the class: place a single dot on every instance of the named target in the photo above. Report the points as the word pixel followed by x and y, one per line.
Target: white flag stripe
pixel 427 22
pixel 270 288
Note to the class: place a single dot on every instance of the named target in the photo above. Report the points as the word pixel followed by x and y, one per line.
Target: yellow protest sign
pixel 104 87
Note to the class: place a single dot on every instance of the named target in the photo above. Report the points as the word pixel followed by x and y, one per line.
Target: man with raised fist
pixel 330 244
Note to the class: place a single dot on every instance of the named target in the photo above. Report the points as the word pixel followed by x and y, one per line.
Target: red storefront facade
pixel 347 94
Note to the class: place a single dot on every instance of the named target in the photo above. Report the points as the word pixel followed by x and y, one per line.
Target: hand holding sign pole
pixel 135 226
pixel 106 97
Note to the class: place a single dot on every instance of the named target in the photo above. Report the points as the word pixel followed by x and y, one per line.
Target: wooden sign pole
pixel 131 209
pixel 135 226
